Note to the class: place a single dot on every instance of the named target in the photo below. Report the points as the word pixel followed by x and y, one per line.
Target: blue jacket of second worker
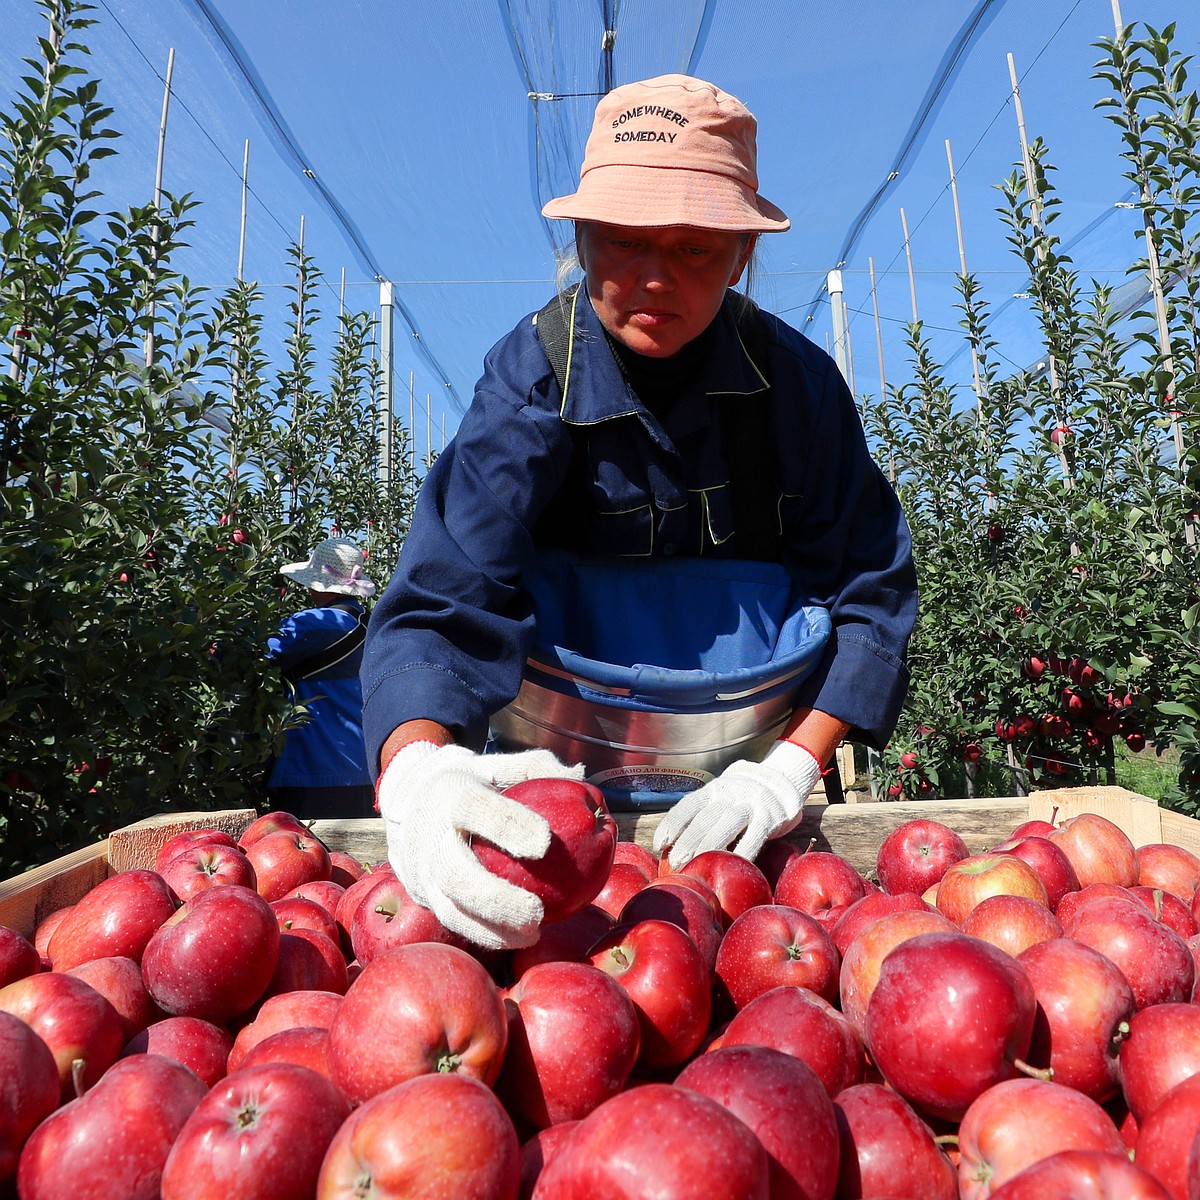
pixel 595 472
pixel 327 750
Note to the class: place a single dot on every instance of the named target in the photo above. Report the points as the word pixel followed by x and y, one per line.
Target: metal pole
pixel 242 227
pixel 428 430
pixel 412 423
pixel 849 345
pixel 386 380
pixel 342 297
pixel 1035 214
pixel 838 311
pixel 158 180
pixel 912 279
pixel 878 330
pixel 842 358
pixel 962 264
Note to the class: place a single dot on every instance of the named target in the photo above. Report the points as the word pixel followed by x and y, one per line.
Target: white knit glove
pixel 749 801
pixel 434 800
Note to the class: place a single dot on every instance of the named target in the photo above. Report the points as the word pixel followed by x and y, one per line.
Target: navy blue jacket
pixel 595 472
pixel 327 750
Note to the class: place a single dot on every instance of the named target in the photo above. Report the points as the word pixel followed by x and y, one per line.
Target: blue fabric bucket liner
pixel 657 673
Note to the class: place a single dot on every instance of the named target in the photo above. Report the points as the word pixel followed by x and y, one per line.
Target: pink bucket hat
pixel 672 150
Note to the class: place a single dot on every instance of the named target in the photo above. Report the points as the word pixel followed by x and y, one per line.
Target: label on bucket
pixel 649 778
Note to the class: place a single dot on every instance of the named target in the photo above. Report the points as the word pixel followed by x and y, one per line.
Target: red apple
pixel 1013 923
pixel 683 905
pixel 537 1151
pixel 30 1090
pixel 46 929
pixel 187 839
pixel 1172 868
pixel 304 1046
pixel 662 1141
pixel 781 1099
pixel 206 864
pixel 798 1022
pixel 1154 958
pixel 868 910
pixel 416 1010
pixel 324 892
pixel 344 868
pixel 1083 1175
pixel 1072 902
pixel 282 861
pixel 1084 1006
pixel 950 1017
pixel 774 857
pixel 1162 1050
pixel 82 1029
pixel 573 1039
pixel 1167 908
pixel 624 880
pixel 434 1134
pixel 1099 850
pixel 819 883
pixel 201 1045
pixel 772 945
pixel 859 971
pixel 386 916
pixel 289 1010
pixel 1033 828
pixel 262 1132
pixel 583 837
pixel 978 876
pixel 271 822
pixel 736 882
pixel 1166 1134
pixel 1017 1123
pixel 915 855
pixel 886 1149
pixel 295 912
pixel 119 981
pixel 354 894
pixel 568 940
pixel 660 967
pixel 215 956
pixel 308 962
pixel 113 1141
pixel 18 957
pixel 116 917
pixel 632 852
pixel 1048 860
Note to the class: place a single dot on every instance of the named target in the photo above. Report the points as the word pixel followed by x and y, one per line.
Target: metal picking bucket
pixel 658 675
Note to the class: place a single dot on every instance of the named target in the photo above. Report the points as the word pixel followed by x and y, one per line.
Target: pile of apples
pixel 267 1019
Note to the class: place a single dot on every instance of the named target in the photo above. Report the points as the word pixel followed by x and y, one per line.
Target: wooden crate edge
pixel 27 899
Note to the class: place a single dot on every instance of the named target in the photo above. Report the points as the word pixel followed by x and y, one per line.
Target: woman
pixel 640 453
pixel 322 769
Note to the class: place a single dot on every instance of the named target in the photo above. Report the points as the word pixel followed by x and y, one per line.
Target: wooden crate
pixel 852 830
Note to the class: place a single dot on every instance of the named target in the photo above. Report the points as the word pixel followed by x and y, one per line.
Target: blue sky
pixel 406 138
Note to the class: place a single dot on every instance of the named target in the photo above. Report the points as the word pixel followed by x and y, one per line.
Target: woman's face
pixel 655 289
